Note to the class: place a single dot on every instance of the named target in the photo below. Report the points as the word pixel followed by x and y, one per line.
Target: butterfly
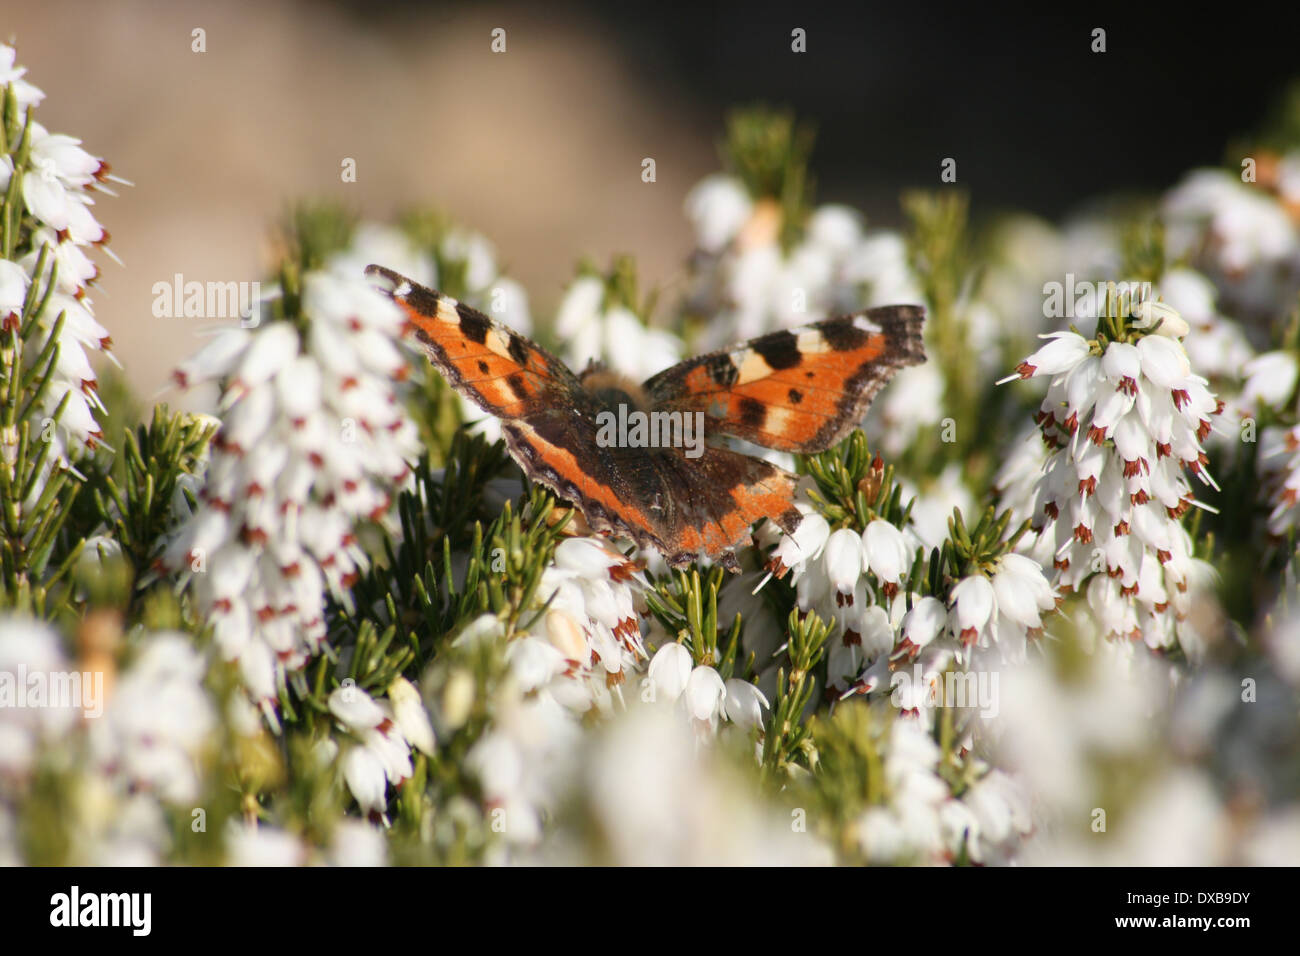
pixel 800 390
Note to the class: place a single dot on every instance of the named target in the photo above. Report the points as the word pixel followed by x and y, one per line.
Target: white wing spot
pixel 447 311
pixel 778 420
pixel 496 343
pixel 752 368
pixel 811 342
pixel 865 324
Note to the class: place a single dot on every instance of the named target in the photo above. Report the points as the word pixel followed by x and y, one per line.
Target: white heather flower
pixel 523 760
pixel 867 636
pixel 763 632
pixel 704 695
pixel 313 442
pixel 55 187
pixel 577 318
pixel 12 77
pixel 373 242
pixel 927 619
pixel 1016 483
pixel 384 754
pixel 1279 459
pixel 1270 380
pixel 844 563
pixel 355 708
pixel 475 253
pixel 744 704
pixel 804 545
pixel 367 777
pixel 881 837
pixel 534 664
pixel 1063 351
pixel 670 670
pixel 886 555
pixel 1021 591
pixel 1163 361
pixel 972 606
pixel 852 579
pixel 909 826
pixel 1219 347
pixel 411 717
pixel 14 281
pixel 483 630
pixel 717 207
pixel 880 264
pixel 213 361
pixel 999 818
pixel 1161 318
pixel 133 740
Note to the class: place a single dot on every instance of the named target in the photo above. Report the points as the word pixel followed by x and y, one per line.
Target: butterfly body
pixel 680 489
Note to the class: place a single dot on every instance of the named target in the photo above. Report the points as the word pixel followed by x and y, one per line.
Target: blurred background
pixel 540 148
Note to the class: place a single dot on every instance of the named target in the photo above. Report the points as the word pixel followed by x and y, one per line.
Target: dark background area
pixel 1035 119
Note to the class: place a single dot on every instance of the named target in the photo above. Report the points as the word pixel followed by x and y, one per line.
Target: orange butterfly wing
pixel 800 390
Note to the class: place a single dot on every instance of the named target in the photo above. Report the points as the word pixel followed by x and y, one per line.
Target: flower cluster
pixel 911 814
pixel 385 733
pixel 1269 389
pixel 580 646
pixel 133 744
pixel 995 602
pixel 313 441
pixel 1243 235
pixel 699 691
pixel 1123 417
pixel 597 325
pixel 46 261
pixel 587 639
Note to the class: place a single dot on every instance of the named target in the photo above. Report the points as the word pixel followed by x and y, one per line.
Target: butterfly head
pixel 611 389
